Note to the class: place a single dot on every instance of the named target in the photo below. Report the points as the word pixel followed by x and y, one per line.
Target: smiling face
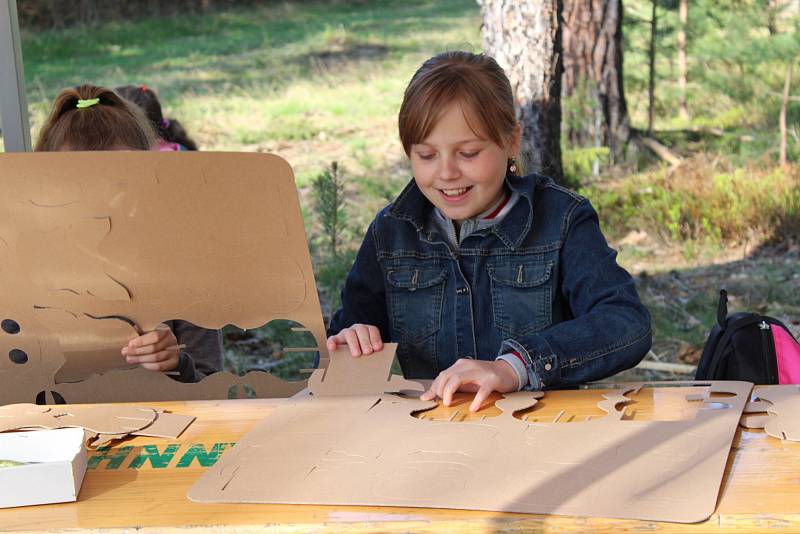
pixel 459 170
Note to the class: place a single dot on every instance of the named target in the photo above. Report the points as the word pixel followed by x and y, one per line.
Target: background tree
pixel 593 75
pixel 683 21
pixel 651 85
pixel 331 238
pixel 525 38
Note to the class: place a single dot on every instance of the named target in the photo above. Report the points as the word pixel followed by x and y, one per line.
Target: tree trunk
pixel 651 86
pixel 524 36
pixel 787 85
pixel 592 43
pixel 683 17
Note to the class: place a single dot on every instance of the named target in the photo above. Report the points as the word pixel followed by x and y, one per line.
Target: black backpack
pixel 741 347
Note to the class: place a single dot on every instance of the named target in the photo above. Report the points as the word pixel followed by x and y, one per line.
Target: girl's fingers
pixel 351 338
pixel 480 397
pixel 156 356
pixel 375 337
pixel 153 341
pixel 150 338
pixel 164 343
pixel 449 389
pixel 163 365
pixel 432 392
pixel 332 343
pixel 364 341
pixel 361 338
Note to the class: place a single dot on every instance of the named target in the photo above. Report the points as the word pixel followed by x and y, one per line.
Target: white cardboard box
pixel 56 475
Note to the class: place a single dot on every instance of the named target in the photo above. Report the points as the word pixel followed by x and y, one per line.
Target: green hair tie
pixel 87 103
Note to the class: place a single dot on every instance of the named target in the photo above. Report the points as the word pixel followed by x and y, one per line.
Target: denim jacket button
pixel 547 367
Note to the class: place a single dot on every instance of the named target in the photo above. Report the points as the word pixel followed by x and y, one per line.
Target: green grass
pixel 312 81
pixel 317 82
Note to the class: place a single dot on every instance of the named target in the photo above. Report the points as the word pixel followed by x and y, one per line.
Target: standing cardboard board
pixel 96 247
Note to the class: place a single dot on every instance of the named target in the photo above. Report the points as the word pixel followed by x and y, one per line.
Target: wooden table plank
pixel 142 482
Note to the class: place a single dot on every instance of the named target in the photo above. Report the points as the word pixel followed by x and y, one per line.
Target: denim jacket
pixel 543 282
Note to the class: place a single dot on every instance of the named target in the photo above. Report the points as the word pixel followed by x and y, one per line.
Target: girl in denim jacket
pixel 488 281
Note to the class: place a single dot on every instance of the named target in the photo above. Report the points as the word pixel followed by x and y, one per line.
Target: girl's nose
pixel 449 169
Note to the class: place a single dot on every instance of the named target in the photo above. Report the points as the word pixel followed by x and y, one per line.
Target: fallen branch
pixel 677 368
pixel 700 130
pixel 658 149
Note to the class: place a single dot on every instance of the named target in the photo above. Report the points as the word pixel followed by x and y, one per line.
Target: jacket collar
pixel 412 206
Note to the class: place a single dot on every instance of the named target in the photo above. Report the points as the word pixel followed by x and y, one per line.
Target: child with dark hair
pixel 487 279
pixel 171 134
pixel 86 118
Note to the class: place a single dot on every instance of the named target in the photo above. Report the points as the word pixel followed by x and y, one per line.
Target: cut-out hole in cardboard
pixel 648 385
pixel 721 395
pixel 640 404
pixel 459 411
pixel 42 398
pixel 10 326
pixel 282 348
pixel 18 356
pixel 652 403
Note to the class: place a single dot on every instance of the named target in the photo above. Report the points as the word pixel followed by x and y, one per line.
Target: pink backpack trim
pixel 787 353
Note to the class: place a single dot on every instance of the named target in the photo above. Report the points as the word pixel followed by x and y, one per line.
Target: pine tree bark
pixel 592 44
pixel 524 36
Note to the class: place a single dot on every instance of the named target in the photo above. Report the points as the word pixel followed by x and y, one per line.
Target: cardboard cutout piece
pixel 776 409
pixel 166 425
pixel 102 424
pixel 96 247
pixel 365 375
pixel 369 450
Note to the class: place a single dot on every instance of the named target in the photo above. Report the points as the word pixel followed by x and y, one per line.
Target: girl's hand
pixel 473 375
pixel 361 338
pixel 157 350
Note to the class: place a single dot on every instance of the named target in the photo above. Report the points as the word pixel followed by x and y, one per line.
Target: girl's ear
pixel 514 142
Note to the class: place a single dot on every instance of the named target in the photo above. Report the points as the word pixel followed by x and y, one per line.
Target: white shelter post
pixel 13 104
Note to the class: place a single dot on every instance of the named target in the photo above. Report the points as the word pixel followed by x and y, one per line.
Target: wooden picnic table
pixel 141 483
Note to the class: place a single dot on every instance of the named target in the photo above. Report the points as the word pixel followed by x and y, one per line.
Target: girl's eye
pixel 471 154
pixel 426 156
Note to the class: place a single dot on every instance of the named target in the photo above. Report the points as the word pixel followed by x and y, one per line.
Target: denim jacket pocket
pixel 522 296
pixel 416 296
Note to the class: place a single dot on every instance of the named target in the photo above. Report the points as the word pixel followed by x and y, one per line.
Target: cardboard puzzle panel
pixel 96 247
pixel 776 409
pixel 370 450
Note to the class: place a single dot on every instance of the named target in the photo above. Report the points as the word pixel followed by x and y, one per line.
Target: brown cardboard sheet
pixel 166 425
pixel 776 409
pixel 102 424
pixel 365 375
pixel 370 450
pixel 97 247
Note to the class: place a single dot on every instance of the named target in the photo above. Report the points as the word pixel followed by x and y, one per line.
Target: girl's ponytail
pixel 88 117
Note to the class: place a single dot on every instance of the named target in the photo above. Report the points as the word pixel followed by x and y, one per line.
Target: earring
pixel 512 165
